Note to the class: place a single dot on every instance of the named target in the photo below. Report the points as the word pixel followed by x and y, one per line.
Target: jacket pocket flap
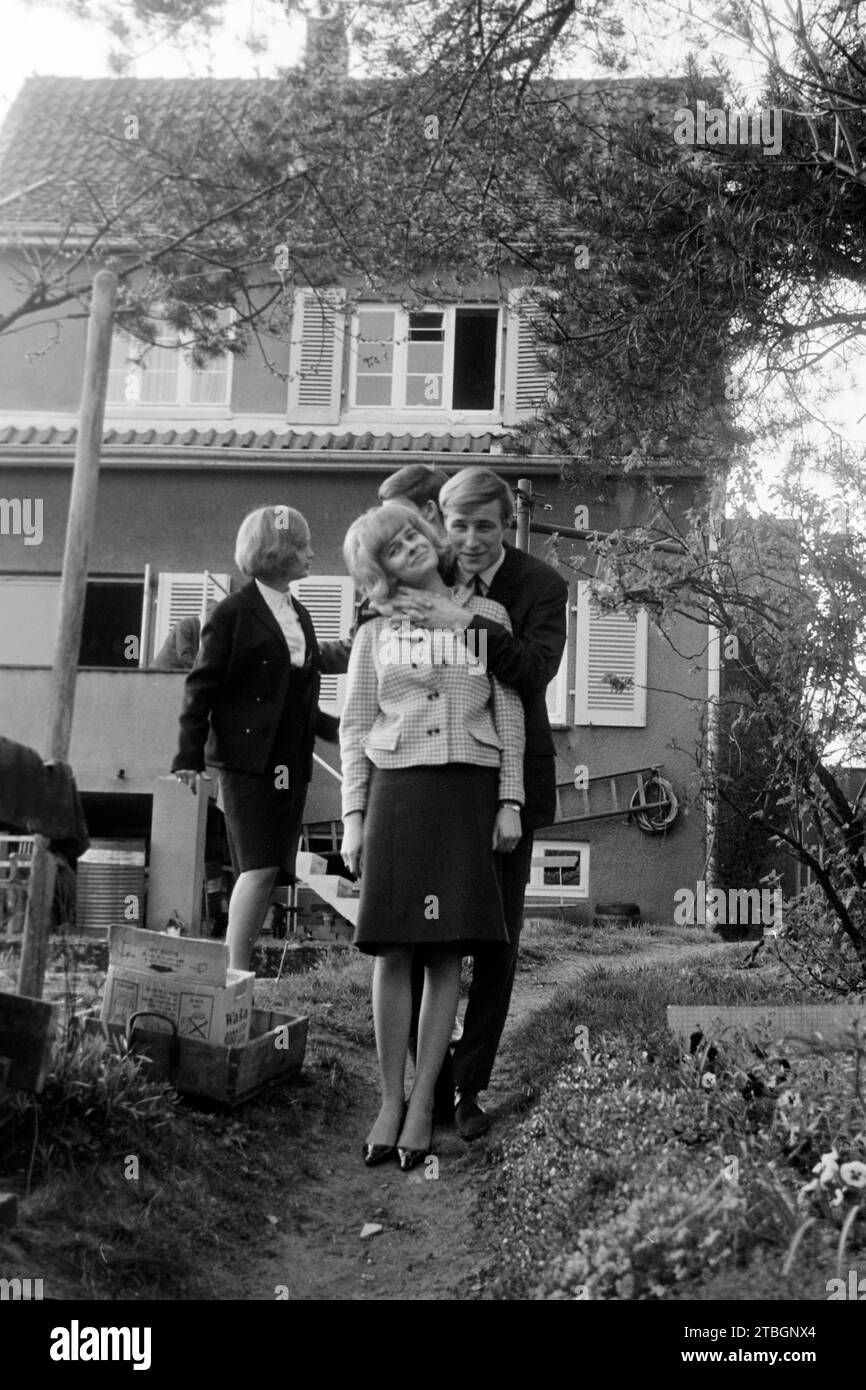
pixel 384 736
pixel 484 731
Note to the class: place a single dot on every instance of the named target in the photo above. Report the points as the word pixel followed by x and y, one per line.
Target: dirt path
pixel 428 1247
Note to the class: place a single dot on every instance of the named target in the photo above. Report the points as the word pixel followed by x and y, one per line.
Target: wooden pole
pixel 523 512
pixel 73 588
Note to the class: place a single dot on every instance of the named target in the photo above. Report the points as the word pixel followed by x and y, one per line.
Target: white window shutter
pixel 330 601
pixel 609 645
pixel 180 596
pixel 527 382
pixel 557 695
pixel 316 357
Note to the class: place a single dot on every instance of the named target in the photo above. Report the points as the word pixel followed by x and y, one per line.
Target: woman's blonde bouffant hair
pixel 367 537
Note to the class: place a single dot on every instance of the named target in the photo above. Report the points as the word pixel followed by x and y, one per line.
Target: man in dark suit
pixel 477 507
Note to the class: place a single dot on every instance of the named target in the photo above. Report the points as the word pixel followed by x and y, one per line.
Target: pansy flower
pixel 853 1174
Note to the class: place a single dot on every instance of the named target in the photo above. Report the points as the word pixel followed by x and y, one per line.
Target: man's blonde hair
pixel 475 487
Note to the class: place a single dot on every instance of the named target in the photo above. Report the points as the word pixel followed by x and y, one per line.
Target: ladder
pixel 626 793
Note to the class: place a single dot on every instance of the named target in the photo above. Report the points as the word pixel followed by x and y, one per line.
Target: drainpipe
pixel 714 675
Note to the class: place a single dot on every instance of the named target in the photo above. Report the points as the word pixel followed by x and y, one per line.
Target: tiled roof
pixel 66 131
pixel 63 133
pixel 309 440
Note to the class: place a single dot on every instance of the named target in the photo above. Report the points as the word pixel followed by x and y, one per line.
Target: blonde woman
pixel 432 752
pixel 251 709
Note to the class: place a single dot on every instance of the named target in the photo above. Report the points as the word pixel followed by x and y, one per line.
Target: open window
pixel 111 631
pixel 425 360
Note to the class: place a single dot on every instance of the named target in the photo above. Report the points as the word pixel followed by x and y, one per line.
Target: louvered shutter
pixel 527 382
pixel 180 596
pixel 609 645
pixel 316 357
pixel 557 695
pixel 330 600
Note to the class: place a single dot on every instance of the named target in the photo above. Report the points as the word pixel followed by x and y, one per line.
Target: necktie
pixel 479 586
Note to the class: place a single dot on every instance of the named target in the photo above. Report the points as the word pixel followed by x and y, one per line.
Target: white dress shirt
pixel 286 615
pixel 486 576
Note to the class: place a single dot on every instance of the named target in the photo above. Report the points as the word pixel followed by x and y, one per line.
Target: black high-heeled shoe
pixel 412 1158
pixel 374 1154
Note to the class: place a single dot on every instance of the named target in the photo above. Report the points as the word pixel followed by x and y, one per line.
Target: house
pixel 363 386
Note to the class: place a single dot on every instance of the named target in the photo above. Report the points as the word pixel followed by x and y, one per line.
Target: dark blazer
pixel 536 600
pixel 235 695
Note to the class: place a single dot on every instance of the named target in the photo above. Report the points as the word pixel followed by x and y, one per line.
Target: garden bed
pixel 646 1173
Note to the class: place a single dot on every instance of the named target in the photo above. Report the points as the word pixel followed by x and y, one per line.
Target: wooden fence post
pixel 73 588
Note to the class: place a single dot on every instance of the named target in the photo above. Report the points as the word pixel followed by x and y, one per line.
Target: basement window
pixel 560 871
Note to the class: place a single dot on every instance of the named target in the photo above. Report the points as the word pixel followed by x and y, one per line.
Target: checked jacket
pixel 422 702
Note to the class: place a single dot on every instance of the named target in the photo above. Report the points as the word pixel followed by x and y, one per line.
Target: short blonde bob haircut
pixel 268 540
pixel 368 537
pixel 475 487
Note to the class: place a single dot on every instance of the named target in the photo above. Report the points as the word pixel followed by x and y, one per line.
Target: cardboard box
pixel 206 1013
pixel 191 958
pixel 307 863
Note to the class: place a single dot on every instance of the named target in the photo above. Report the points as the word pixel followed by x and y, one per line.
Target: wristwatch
pixel 510 805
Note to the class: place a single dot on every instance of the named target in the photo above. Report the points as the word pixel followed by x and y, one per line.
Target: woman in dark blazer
pixel 251 708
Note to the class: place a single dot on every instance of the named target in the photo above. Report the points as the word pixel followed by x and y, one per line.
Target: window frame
pixel 183 407
pixel 566 893
pixel 53 582
pixel 397 404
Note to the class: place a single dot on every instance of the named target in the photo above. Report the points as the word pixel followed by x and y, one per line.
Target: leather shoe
pixel 470 1118
pixel 374 1154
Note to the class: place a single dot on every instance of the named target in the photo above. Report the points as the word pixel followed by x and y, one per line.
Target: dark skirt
pixel 427 873
pixel 263 822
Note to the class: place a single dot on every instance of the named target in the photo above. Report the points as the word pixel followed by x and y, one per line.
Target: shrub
pixel 816 951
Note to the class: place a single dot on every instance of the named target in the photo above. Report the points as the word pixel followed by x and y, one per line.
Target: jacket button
pixel 434 696
pixel 246 731
pixel 432 731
